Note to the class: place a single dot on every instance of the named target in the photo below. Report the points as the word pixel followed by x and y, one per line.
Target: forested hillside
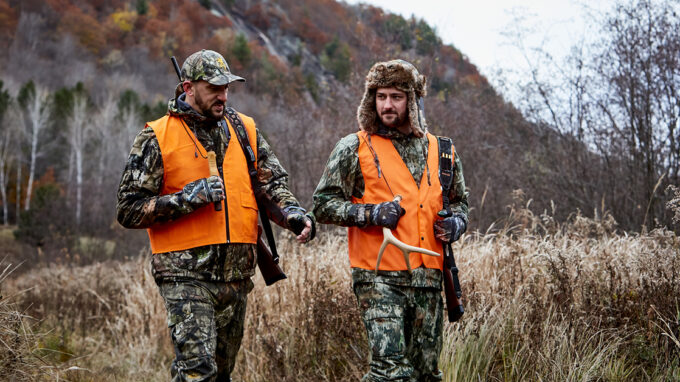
pixel 81 77
pixel 569 270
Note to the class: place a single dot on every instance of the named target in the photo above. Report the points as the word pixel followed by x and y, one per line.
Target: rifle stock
pixel 269 267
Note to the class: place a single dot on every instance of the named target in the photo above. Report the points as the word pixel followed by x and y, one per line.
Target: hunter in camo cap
pixel 203 276
pixel 210 66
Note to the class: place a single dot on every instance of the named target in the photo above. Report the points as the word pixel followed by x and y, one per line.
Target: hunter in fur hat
pixel 393 154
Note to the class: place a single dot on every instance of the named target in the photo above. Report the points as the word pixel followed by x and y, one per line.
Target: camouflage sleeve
pixel 272 191
pixel 458 195
pixel 139 204
pixel 341 180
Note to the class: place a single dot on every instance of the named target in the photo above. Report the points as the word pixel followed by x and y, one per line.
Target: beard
pixel 211 110
pixel 393 119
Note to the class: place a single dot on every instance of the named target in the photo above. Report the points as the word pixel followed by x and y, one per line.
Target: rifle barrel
pixel 176 66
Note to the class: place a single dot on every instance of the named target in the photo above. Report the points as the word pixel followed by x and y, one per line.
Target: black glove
pixel 449 229
pixel 386 214
pixel 296 220
pixel 203 191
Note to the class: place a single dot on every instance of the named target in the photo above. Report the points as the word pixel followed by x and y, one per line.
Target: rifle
pixel 267 260
pixel 268 264
pixel 454 304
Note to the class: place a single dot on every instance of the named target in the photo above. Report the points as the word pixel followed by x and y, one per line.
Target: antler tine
pixel 388 238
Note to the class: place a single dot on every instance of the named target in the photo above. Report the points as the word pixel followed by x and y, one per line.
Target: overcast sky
pixel 476 27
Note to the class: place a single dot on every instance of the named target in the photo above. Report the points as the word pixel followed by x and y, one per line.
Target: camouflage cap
pixel 210 66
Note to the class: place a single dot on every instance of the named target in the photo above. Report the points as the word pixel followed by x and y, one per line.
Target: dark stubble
pixel 206 109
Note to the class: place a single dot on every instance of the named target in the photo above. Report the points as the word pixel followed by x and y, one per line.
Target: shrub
pixel 337 59
pixel 47 219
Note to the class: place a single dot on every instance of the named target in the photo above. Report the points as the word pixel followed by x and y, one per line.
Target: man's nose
pixel 222 96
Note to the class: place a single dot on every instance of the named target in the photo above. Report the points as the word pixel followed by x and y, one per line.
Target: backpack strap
pixel 244 141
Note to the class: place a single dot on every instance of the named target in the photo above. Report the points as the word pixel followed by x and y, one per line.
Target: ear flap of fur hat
pixel 401 75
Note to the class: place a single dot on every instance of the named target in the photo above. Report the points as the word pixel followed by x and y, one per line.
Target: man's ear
pixel 188 87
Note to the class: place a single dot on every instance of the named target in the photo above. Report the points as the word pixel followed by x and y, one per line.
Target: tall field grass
pixel 544 301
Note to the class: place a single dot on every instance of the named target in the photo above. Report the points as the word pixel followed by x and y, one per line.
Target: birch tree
pixel 6 158
pixel 79 132
pixel 130 124
pixel 35 106
pixel 104 130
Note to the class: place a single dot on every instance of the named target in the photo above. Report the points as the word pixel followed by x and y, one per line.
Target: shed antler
pixel 405 248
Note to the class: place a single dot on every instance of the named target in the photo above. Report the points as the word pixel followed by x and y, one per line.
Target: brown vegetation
pixel 552 297
pixel 544 301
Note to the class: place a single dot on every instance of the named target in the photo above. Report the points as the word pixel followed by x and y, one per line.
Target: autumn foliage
pixel 8 22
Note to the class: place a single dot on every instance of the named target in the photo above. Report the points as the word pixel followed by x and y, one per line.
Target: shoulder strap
pixel 445 167
pixel 446 179
pixel 244 141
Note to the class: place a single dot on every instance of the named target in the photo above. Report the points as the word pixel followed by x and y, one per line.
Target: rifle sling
pixel 445 167
pixel 244 141
pixel 446 179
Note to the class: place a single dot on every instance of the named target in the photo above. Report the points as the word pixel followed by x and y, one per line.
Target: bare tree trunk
pixel 3 193
pixel 79 184
pixel 5 164
pixel 4 179
pixel 31 171
pixel 132 124
pixel 78 134
pixel 38 113
pixel 18 197
pixel 69 176
pixel 106 133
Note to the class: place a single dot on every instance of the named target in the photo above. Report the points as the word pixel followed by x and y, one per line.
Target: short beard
pixel 206 110
pixel 398 121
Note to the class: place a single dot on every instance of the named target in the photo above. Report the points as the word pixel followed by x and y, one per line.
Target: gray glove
pixel 449 229
pixel 203 191
pixel 296 220
pixel 386 214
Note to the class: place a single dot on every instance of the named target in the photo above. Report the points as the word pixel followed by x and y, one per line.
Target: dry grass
pixel 17 340
pixel 544 302
pixel 99 322
pixel 674 203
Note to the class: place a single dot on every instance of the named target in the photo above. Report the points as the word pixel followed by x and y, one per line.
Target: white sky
pixel 476 27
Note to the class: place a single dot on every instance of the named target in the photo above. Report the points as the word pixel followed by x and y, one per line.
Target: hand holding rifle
pixel 448 230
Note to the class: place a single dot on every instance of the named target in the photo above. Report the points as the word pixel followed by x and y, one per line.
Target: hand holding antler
pixel 390 239
pixel 387 214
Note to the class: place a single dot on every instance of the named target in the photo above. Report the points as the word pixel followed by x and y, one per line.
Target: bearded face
pixel 391 105
pixel 208 99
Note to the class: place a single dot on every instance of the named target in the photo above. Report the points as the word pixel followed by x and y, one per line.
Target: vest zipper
pixel 226 138
pixel 226 205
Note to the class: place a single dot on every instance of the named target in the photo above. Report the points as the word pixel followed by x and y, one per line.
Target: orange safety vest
pixel 204 226
pixel 421 205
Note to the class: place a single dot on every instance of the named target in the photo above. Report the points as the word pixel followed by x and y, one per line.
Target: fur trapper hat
pixel 401 75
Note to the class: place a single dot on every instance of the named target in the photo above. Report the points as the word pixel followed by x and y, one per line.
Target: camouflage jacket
pixel 342 179
pixel 140 204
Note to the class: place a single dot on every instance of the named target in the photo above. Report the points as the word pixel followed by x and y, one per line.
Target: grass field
pixel 544 301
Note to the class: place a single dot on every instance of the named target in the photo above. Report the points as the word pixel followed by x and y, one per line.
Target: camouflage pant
pixel 404 326
pixel 206 327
